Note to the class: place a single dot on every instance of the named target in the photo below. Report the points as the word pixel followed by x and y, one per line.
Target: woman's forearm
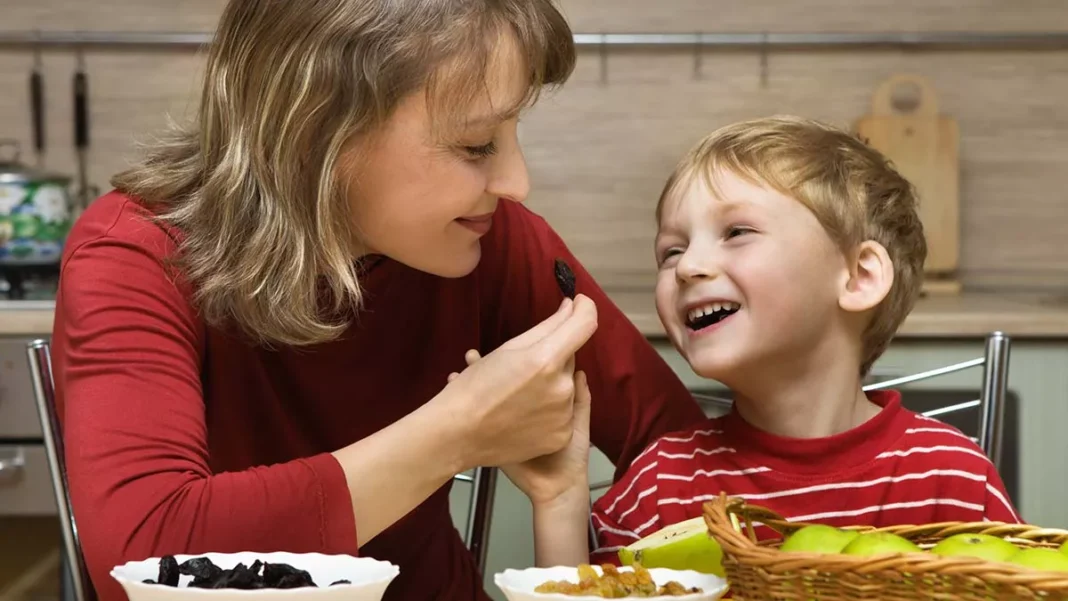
pixel 399 467
pixel 561 530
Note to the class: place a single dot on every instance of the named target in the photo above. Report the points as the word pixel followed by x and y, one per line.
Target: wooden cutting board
pixel 923 145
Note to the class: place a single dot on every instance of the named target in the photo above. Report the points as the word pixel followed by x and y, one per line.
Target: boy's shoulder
pixel 927 436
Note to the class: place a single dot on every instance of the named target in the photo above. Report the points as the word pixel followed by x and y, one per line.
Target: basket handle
pixel 718 514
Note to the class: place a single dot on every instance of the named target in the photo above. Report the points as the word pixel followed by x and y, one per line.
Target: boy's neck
pixel 821 399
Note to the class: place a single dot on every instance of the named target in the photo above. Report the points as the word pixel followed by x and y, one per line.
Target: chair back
pixel 40 359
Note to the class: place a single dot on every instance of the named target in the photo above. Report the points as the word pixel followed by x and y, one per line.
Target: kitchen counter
pixel 969 315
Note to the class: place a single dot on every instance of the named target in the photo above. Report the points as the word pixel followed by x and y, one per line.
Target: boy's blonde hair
pixel 252 184
pixel 852 189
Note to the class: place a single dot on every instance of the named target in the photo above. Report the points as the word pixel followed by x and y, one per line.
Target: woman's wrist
pixel 450 432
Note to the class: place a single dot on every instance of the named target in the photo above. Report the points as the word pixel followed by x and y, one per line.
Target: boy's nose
pixel 696 266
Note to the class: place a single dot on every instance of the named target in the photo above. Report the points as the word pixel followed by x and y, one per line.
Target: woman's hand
pixel 562 476
pixel 518 402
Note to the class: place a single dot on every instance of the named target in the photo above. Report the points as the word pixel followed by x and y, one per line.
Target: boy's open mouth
pixel 704 316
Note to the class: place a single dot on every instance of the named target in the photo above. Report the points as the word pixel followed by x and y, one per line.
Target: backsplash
pixel 600 148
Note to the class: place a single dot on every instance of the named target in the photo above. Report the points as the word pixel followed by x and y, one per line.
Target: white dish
pixel 519 585
pixel 369 578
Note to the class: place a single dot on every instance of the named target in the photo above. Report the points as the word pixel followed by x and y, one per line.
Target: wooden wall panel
pixel 599 152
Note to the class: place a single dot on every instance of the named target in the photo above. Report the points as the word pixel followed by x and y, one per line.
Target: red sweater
pixel 184 439
pixel 897 468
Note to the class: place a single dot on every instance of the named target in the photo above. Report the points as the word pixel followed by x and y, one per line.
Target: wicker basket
pixel 760 572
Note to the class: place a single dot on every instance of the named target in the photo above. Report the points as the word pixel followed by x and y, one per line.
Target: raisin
pixel 565 278
pixel 168 571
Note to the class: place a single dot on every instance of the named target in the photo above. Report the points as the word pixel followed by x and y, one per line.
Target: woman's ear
pixel 871 274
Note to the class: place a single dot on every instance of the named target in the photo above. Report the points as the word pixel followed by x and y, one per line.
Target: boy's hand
pixel 560 477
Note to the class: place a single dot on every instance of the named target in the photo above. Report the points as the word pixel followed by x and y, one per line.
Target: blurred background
pixel 967 96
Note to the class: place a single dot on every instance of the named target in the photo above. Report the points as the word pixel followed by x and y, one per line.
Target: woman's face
pixel 426 202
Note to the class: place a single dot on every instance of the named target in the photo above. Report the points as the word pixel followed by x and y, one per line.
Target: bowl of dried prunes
pixel 279 576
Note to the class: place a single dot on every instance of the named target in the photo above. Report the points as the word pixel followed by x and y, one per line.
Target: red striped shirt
pixel 897 468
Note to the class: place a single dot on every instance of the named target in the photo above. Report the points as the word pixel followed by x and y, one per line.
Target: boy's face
pixel 748 279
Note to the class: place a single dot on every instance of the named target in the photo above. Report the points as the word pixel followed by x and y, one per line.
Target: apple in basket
pixel 1047 560
pixel 818 538
pixel 983 546
pixel 279 576
pixel 878 543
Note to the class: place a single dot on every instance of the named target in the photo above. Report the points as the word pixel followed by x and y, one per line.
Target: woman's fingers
pixel 567 338
pixel 543 329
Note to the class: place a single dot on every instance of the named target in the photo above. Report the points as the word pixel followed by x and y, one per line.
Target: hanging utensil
pixel 81 129
pixel 37 107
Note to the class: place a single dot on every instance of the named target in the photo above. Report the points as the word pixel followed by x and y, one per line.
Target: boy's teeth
pixel 712 308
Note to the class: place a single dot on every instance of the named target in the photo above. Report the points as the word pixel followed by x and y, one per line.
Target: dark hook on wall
pixel 764 62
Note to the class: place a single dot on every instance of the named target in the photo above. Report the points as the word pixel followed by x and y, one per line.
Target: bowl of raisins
pixel 278 576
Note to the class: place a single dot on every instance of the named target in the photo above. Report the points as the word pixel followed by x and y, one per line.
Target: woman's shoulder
pixel 117 219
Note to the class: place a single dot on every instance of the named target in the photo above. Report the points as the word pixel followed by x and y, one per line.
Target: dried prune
pixel 281 575
pixel 259 575
pixel 168 570
pixel 565 278
pixel 199 567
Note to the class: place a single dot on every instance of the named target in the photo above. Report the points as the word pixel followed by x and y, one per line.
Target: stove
pixel 29 282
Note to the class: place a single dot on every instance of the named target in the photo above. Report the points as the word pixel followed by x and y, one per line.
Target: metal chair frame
pixel 76 583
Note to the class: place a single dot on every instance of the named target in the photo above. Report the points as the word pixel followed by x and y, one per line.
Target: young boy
pixel 789 253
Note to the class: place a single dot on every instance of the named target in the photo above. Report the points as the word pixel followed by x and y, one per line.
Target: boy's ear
pixel 871 274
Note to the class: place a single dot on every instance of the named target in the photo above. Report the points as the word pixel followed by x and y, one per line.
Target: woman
pixel 255 329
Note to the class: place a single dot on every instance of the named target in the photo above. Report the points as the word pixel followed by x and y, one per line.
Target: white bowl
pixel 369 578
pixel 519 585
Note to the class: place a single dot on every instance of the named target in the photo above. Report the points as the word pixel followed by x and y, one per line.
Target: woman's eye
pixel 482 151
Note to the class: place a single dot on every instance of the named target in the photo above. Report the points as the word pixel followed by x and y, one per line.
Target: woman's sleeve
pixel 636 396
pixel 127 350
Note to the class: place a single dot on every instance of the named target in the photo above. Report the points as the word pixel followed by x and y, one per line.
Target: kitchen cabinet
pixel 1038 383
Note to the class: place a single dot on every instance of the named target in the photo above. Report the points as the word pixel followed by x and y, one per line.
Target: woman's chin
pixel 454 263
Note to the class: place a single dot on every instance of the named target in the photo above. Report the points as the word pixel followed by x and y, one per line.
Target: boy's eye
pixel 669 254
pixel 482 151
pixel 735 231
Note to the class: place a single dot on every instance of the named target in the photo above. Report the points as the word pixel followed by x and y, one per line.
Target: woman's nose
pixel 509 178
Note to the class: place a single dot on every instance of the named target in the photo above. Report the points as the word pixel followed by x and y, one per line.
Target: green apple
pixel 983 546
pixel 1048 560
pixel 878 543
pixel 818 538
pixel 1064 547
pixel 683 546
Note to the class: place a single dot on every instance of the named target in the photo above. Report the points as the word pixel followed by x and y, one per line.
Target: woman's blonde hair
pixel 250 184
pixel 851 188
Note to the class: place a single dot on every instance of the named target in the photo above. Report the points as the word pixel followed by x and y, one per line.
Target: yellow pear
pixel 683 546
